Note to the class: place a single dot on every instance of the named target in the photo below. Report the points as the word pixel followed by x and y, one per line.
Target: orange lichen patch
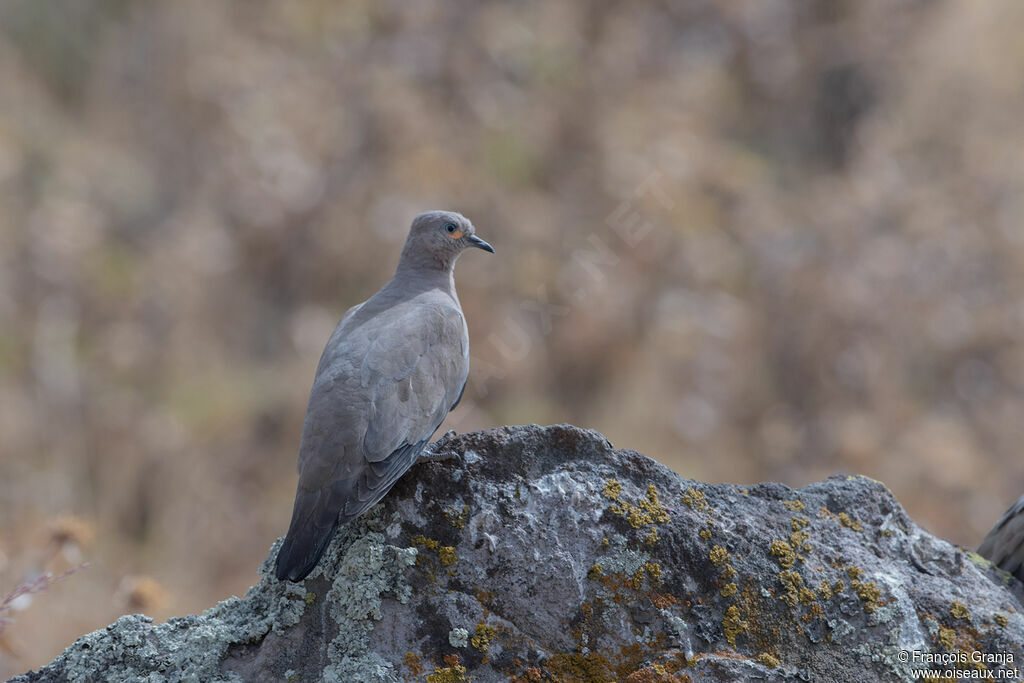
pixel 666 600
pixel 413 664
pixel 485 598
pixel 534 674
pixel 816 612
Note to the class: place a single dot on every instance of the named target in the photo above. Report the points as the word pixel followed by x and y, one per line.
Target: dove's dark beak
pixel 479 243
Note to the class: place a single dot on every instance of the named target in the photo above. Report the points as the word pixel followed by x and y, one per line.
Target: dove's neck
pixel 413 276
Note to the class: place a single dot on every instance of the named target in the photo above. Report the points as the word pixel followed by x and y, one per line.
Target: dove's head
pixel 436 239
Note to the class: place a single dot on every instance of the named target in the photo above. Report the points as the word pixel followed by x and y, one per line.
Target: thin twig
pixel 33 587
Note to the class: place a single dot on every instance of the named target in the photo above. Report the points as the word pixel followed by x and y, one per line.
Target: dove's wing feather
pixel 1004 545
pixel 384 385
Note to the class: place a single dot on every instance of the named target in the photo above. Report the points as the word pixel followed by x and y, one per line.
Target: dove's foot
pixel 430 456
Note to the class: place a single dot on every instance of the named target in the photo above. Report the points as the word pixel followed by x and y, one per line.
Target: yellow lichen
pixel 412 661
pixel 457 517
pixel 452 672
pixel 824 590
pixel 947 638
pixel 446 554
pixel 791 583
pixel 798 523
pixel 783 551
pixel 652 537
pixel 807 596
pixel 728 572
pixel 768 660
pixel 654 569
pixel 794 505
pixel 1001 619
pixel 705 534
pixel 595 572
pixel 854 572
pixel 612 489
pixel 652 506
pixel 484 635
pixel 310 598
pixel 868 592
pixel 718 555
pixel 798 539
pixel 959 610
pixel 638 579
pixel 729 590
pixel 425 542
pixel 850 523
pixel 647 511
pixel 733 625
pixel 695 499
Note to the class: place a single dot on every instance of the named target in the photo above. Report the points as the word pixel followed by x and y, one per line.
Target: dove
pixel 392 370
pixel 1004 545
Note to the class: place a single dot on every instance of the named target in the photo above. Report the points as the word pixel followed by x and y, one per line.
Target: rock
pixel 544 554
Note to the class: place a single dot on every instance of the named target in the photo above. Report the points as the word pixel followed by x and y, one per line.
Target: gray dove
pixel 1004 545
pixel 392 370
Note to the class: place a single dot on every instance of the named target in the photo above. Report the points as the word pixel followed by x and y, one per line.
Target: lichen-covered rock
pixel 544 554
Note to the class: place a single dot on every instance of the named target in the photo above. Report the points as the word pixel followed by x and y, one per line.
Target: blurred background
pixel 755 240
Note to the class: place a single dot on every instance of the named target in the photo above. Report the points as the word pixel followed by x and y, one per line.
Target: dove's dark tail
pixel 314 522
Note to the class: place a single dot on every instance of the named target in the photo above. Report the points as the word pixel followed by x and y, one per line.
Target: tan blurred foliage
pixel 755 240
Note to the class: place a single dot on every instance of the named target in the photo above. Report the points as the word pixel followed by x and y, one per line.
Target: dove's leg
pixel 428 454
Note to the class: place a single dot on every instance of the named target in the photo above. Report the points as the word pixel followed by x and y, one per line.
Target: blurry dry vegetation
pixel 192 193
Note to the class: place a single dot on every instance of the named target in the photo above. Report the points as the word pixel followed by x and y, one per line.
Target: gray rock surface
pixel 544 554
